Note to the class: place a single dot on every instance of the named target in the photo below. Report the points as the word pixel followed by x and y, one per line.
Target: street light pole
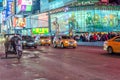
pixel 49 22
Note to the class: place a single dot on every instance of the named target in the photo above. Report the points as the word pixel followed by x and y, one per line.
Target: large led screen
pixel 24 5
pixel 87 20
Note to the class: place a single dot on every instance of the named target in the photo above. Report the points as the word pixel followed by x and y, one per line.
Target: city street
pixel 47 63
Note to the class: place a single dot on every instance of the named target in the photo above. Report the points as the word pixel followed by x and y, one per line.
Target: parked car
pixel 45 40
pixel 112 45
pixel 64 41
pixel 28 41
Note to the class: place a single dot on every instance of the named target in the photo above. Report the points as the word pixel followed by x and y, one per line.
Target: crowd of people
pixel 91 37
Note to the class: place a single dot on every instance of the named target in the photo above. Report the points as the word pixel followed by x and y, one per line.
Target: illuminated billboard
pixel 24 2
pixel 19 22
pixel 24 5
pixel 8 8
pixel 40 30
pixel 105 1
pixel 46 5
pixel 12 8
pixel 88 20
pixel 4 3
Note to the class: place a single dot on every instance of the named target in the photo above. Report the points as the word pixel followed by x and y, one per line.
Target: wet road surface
pixel 47 63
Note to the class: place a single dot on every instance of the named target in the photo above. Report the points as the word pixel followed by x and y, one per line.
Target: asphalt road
pixel 47 63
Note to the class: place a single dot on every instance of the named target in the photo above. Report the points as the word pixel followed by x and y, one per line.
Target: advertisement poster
pixel 87 20
pixel 24 5
pixel 19 22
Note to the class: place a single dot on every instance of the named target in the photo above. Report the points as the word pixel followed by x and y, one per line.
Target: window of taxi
pixel 117 39
pixel 65 37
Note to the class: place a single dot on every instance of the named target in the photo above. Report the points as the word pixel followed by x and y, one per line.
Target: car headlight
pixel 24 42
pixel 66 41
pixel 105 43
pixel 42 40
pixel 75 42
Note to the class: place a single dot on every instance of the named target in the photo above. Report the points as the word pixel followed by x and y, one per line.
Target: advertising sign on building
pixel 26 2
pixel 105 1
pixel 40 30
pixel 99 20
pixel 53 4
pixel 24 5
pixel 9 7
pixel 19 22
pixel 4 15
pixel 12 8
pixel 4 3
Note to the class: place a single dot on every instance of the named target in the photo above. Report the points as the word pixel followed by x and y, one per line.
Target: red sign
pixel 104 1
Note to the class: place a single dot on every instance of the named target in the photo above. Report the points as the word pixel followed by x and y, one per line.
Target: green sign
pixel 28 8
pixel 40 30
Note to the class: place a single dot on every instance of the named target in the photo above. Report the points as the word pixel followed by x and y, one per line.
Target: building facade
pixel 83 16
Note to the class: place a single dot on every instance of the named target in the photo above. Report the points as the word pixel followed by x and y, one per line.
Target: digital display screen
pixel 86 20
pixel 40 30
pixel 46 5
pixel 24 5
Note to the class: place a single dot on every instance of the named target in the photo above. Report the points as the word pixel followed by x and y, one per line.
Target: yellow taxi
pixel 45 40
pixel 64 41
pixel 112 45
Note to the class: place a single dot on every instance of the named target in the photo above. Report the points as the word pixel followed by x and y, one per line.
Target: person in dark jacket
pixel 14 41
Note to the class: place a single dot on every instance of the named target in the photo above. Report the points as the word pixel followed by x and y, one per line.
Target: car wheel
pixel 54 45
pixel 35 47
pixel 23 47
pixel 19 54
pixel 62 45
pixel 40 44
pixel 110 50
pixel 74 47
pixel 6 54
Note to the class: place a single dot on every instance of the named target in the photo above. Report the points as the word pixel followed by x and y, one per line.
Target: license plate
pixel 71 44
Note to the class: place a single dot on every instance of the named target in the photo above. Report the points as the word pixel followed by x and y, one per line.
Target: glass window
pixel 117 39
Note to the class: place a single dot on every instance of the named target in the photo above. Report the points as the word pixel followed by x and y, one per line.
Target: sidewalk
pixel 97 43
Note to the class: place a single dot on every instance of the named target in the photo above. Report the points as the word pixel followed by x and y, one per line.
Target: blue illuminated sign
pixel 53 4
pixel 8 9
